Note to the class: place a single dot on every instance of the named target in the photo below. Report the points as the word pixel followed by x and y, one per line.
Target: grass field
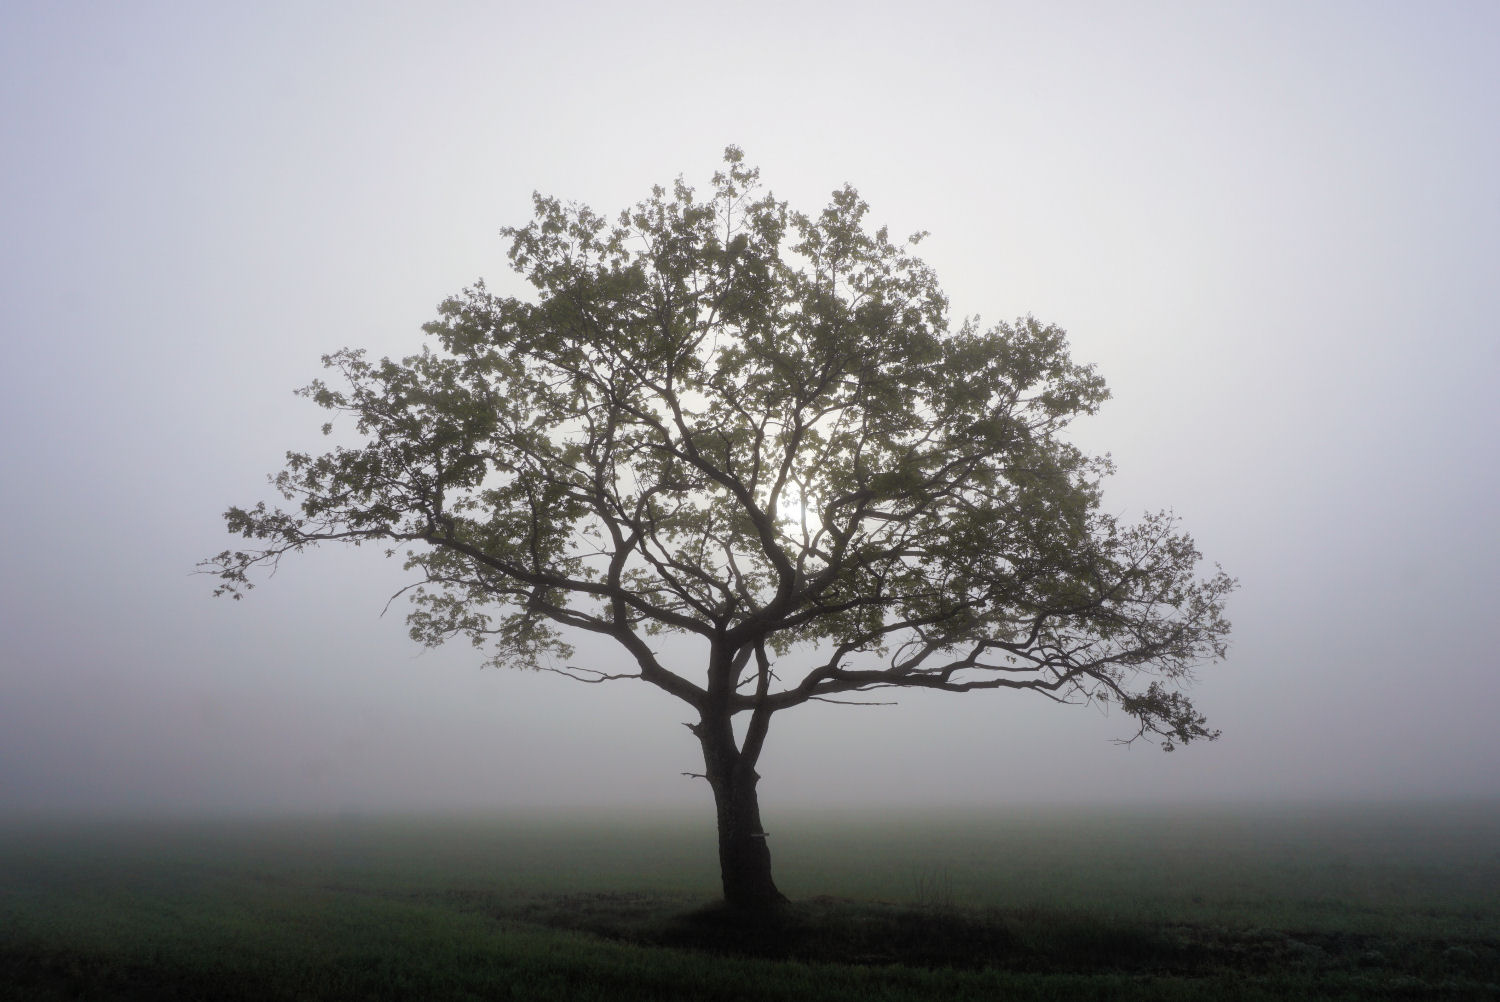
pixel 1397 901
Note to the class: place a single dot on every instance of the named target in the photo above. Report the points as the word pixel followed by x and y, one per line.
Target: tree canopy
pixel 722 418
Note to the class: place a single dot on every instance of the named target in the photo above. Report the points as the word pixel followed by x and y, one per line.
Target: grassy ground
pixel 1356 903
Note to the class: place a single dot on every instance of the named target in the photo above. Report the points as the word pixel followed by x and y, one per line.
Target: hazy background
pixel 1274 226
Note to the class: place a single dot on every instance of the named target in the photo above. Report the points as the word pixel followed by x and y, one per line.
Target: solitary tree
pixel 724 420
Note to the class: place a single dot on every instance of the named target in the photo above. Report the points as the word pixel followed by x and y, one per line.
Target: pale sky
pixel 1274 226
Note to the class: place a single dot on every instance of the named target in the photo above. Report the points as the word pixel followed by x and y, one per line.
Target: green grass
pixel 1236 904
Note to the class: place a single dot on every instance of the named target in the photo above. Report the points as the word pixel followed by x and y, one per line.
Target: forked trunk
pixel 744 856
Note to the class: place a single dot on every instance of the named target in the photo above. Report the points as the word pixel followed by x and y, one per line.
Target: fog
pixel 1275 227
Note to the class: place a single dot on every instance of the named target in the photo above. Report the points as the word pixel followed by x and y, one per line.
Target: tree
pixel 725 420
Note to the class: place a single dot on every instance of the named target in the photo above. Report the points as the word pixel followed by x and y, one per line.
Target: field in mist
pixel 1274 902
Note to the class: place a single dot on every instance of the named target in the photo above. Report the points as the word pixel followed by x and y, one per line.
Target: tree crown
pixel 722 418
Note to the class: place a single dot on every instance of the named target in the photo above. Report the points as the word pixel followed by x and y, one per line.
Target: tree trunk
pixel 744 856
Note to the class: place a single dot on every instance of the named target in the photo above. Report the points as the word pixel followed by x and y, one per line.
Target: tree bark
pixel 744 856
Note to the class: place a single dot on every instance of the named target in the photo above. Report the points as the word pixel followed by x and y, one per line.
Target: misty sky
pixel 1274 226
